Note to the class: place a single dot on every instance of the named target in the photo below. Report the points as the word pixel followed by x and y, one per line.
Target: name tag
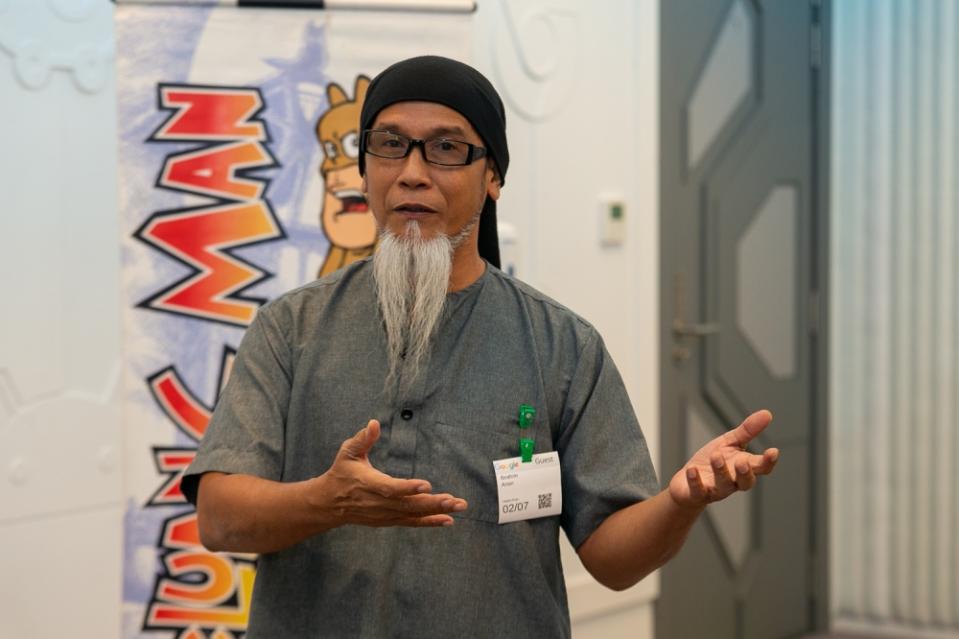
pixel 530 490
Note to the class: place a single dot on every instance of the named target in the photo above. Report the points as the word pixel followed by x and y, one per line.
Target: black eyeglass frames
pixel 439 150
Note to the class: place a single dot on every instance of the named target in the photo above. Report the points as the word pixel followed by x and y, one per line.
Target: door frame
pixel 821 454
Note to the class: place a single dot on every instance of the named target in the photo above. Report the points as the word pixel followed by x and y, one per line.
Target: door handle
pixel 682 329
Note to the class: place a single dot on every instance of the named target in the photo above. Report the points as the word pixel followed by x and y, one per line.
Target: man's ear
pixel 493 181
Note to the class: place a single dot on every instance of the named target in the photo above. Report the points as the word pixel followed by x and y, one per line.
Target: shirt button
pixel 406 414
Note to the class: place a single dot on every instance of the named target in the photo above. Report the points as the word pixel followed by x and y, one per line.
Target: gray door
pixel 738 218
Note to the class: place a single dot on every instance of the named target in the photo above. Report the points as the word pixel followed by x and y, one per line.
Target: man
pixel 394 530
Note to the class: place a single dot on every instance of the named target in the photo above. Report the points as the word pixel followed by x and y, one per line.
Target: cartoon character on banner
pixel 345 216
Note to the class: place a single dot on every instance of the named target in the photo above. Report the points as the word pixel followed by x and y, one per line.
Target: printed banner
pixel 238 181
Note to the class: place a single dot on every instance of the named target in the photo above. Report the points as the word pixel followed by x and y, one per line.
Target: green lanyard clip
pixel 526 415
pixel 526 444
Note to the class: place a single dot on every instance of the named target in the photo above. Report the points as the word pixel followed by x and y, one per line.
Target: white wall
pixel 894 322
pixel 580 81
pixel 582 123
pixel 60 511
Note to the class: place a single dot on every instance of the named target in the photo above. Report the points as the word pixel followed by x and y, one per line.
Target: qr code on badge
pixel 546 501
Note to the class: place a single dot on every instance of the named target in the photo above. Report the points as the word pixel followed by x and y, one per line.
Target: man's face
pixel 442 199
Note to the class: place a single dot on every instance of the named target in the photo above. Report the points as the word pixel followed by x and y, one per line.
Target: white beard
pixel 412 276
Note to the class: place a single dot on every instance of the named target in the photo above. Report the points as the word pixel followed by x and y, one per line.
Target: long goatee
pixel 411 275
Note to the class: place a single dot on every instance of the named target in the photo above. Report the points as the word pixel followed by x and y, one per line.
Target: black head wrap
pixel 461 88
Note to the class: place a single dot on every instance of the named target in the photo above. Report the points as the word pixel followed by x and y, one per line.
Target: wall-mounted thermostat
pixel 612 220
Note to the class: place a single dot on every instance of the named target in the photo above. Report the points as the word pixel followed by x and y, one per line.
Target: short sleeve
pixel 246 433
pixel 604 458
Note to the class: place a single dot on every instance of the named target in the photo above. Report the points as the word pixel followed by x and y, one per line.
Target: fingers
pixel 364 495
pixel 697 491
pixel 749 429
pixel 360 494
pixel 764 464
pixel 371 495
pixel 424 505
pixel 725 482
pixel 745 478
pixel 749 466
pixel 432 521
pixel 393 488
pixel 360 444
pixel 723 476
pixel 385 487
pixel 416 511
pixel 395 495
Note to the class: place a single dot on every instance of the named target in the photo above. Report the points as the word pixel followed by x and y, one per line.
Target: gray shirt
pixel 310 373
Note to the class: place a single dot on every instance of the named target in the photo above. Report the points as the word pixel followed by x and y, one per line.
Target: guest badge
pixel 528 490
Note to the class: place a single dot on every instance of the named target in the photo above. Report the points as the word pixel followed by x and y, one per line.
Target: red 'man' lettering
pixel 201 238
pixel 204 113
pixel 212 171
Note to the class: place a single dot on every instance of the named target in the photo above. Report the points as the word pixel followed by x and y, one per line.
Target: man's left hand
pixel 724 466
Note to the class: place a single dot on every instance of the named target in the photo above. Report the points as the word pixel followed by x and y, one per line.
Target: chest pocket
pixel 459 460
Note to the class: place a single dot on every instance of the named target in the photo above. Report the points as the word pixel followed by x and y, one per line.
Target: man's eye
pixel 394 143
pixel 445 145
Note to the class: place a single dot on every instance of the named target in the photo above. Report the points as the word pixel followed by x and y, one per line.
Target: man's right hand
pixel 353 492
pixel 243 513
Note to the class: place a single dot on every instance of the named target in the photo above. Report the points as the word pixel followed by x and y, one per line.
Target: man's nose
pixel 415 171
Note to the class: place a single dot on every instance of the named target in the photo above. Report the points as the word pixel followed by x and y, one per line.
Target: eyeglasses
pixel 442 151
